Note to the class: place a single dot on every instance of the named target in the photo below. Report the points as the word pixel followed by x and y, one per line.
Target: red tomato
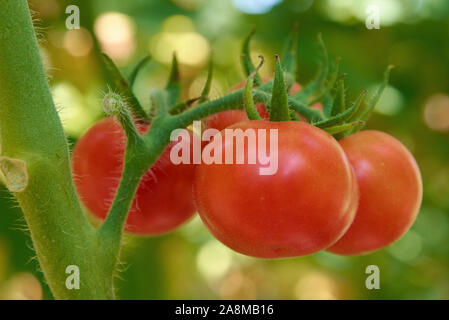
pixel 305 207
pixel 390 192
pixel 164 198
pixel 227 118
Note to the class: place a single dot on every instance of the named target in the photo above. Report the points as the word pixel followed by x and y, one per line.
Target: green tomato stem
pixel 31 131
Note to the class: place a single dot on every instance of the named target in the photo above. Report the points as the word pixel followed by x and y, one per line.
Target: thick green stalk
pixel 30 130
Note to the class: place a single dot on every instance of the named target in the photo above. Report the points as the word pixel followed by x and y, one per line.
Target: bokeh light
pixel 178 23
pixel 22 286
pixel 436 112
pixel 215 17
pixel 78 42
pixel 255 6
pixel 316 285
pixel 76 115
pixel 179 36
pixel 345 11
pixel 191 48
pixel 214 260
pixel 238 286
pixel 116 33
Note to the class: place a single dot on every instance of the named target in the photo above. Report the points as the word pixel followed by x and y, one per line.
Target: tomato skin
pixel 227 118
pixel 390 192
pixel 305 207
pixel 97 163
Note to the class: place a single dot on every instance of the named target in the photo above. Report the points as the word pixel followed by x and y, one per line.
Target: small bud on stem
pixel 113 103
pixel 15 172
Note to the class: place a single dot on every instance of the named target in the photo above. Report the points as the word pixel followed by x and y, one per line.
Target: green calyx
pixel 337 117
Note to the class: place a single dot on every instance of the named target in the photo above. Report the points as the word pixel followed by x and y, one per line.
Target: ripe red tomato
pixel 164 198
pixel 227 118
pixel 305 207
pixel 390 192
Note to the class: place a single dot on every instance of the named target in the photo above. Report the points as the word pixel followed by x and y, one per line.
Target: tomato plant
pixel 98 163
pixel 303 208
pixel 390 192
pixel 122 166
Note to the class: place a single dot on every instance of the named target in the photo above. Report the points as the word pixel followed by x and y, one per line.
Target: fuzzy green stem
pixel 250 108
pixel 136 164
pixel 31 131
pixel 248 98
pixel 140 155
pixel 245 59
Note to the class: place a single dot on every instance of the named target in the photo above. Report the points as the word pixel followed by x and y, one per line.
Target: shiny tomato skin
pixel 305 207
pixel 164 198
pixel 227 118
pixel 390 187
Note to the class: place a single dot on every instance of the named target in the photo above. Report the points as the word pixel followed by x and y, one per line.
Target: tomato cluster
pixel 349 197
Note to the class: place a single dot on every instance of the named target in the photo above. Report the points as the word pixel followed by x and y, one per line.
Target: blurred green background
pixel 190 263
